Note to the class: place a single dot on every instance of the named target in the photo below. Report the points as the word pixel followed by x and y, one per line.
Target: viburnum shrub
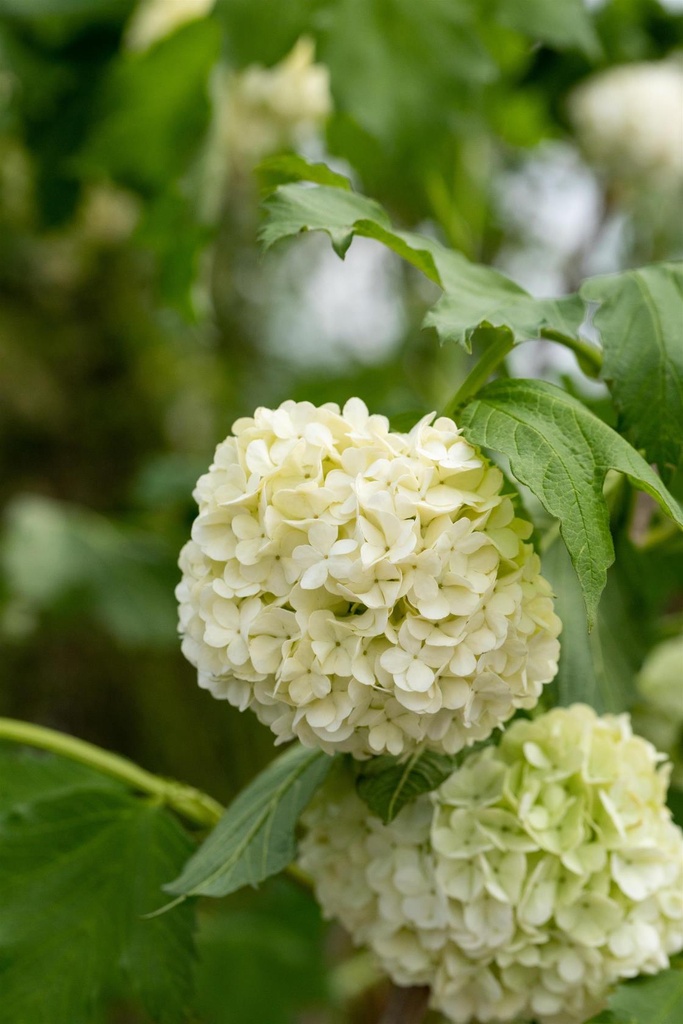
pixel 474 805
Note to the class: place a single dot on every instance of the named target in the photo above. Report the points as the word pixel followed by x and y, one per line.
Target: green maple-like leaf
pixel 81 861
pixel 474 295
pixel 562 452
pixel 640 319
pixel 565 24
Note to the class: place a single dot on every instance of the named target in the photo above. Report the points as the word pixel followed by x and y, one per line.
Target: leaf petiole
pixel 588 356
pixel 493 356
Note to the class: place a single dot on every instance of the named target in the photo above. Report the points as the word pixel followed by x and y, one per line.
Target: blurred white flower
pixel 661 677
pixel 659 713
pixel 537 876
pixel 152 20
pixel 108 215
pixel 259 111
pixel 266 109
pixel 363 590
pixel 551 204
pixel 630 121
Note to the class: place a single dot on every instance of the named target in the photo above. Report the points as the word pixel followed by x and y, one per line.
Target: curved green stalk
pixel 589 357
pixel 493 356
pixel 196 807
pixel 190 803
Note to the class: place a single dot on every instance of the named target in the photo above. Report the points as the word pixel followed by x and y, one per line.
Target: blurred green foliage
pixel 280 926
pixel 134 328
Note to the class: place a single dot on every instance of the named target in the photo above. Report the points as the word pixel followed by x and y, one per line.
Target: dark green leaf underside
pixel 386 784
pixel 596 668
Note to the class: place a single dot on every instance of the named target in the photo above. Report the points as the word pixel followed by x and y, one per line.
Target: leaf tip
pixel 166 907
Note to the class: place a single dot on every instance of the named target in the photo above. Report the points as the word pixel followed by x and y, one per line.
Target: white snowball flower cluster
pixel 363 590
pixel 630 120
pixel 537 876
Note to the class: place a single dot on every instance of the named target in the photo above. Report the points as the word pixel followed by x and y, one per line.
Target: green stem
pixel 493 355
pixel 190 803
pixel 588 356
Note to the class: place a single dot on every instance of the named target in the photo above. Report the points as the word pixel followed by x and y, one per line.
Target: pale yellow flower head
pixel 537 876
pixel 360 589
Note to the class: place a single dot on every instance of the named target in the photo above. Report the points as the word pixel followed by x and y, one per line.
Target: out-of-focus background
pixel 138 319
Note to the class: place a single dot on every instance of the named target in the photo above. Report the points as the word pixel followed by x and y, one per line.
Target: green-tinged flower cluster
pixel 363 590
pixel 539 874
